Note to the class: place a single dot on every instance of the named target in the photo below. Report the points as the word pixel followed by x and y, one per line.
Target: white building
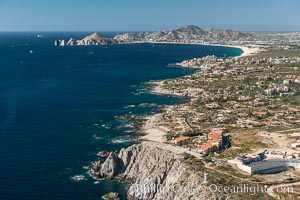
pixel 256 164
pixel 261 167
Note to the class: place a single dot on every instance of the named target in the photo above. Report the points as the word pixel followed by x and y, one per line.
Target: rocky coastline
pixel 154 173
pixel 152 170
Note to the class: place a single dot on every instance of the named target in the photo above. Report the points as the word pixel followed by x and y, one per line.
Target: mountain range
pixel 185 33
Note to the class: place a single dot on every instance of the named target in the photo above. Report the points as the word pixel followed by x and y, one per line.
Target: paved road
pixel 176 149
pixel 295 129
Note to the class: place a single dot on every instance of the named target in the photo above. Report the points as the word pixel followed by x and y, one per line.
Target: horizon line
pixel 33 31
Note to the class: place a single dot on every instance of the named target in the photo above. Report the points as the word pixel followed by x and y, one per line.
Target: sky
pixel 148 15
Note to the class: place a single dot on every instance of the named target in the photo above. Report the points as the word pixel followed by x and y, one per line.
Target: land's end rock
pixel 93 39
pixel 71 42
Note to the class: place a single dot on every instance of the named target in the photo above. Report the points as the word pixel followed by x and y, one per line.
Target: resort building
pixel 257 164
pixel 215 141
pixel 182 140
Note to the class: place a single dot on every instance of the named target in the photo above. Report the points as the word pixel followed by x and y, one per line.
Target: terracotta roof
pixel 206 146
pixel 215 135
pixel 259 113
pixel 215 140
pixel 216 131
pixel 242 114
pixel 182 138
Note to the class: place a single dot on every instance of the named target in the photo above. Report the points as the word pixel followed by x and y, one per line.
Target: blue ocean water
pixel 54 99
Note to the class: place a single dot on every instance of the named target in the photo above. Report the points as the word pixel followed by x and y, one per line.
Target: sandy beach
pixel 247 51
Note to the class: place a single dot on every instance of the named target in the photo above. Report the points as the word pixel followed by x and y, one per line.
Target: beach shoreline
pixel 247 51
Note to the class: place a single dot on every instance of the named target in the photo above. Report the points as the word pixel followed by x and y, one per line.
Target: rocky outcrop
pixel 112 166
pixel 111 196
pixel 71 42
pixel 154 174
pixel 103 154
pixel 93 39
pixel 59 43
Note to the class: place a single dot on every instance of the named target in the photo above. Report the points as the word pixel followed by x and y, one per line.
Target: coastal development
pixel 150 100
pixel 240 120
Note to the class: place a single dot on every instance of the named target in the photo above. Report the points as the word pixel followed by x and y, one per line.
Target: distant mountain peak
pixel 192 28
pixel 96 36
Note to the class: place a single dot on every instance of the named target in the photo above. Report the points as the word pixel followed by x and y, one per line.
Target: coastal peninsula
pixel 186 34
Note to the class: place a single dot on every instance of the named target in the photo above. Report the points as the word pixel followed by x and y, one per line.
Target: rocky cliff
pixel 154 174
pixel 93 39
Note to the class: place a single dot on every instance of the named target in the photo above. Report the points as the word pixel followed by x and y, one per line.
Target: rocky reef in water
pixel 154 173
